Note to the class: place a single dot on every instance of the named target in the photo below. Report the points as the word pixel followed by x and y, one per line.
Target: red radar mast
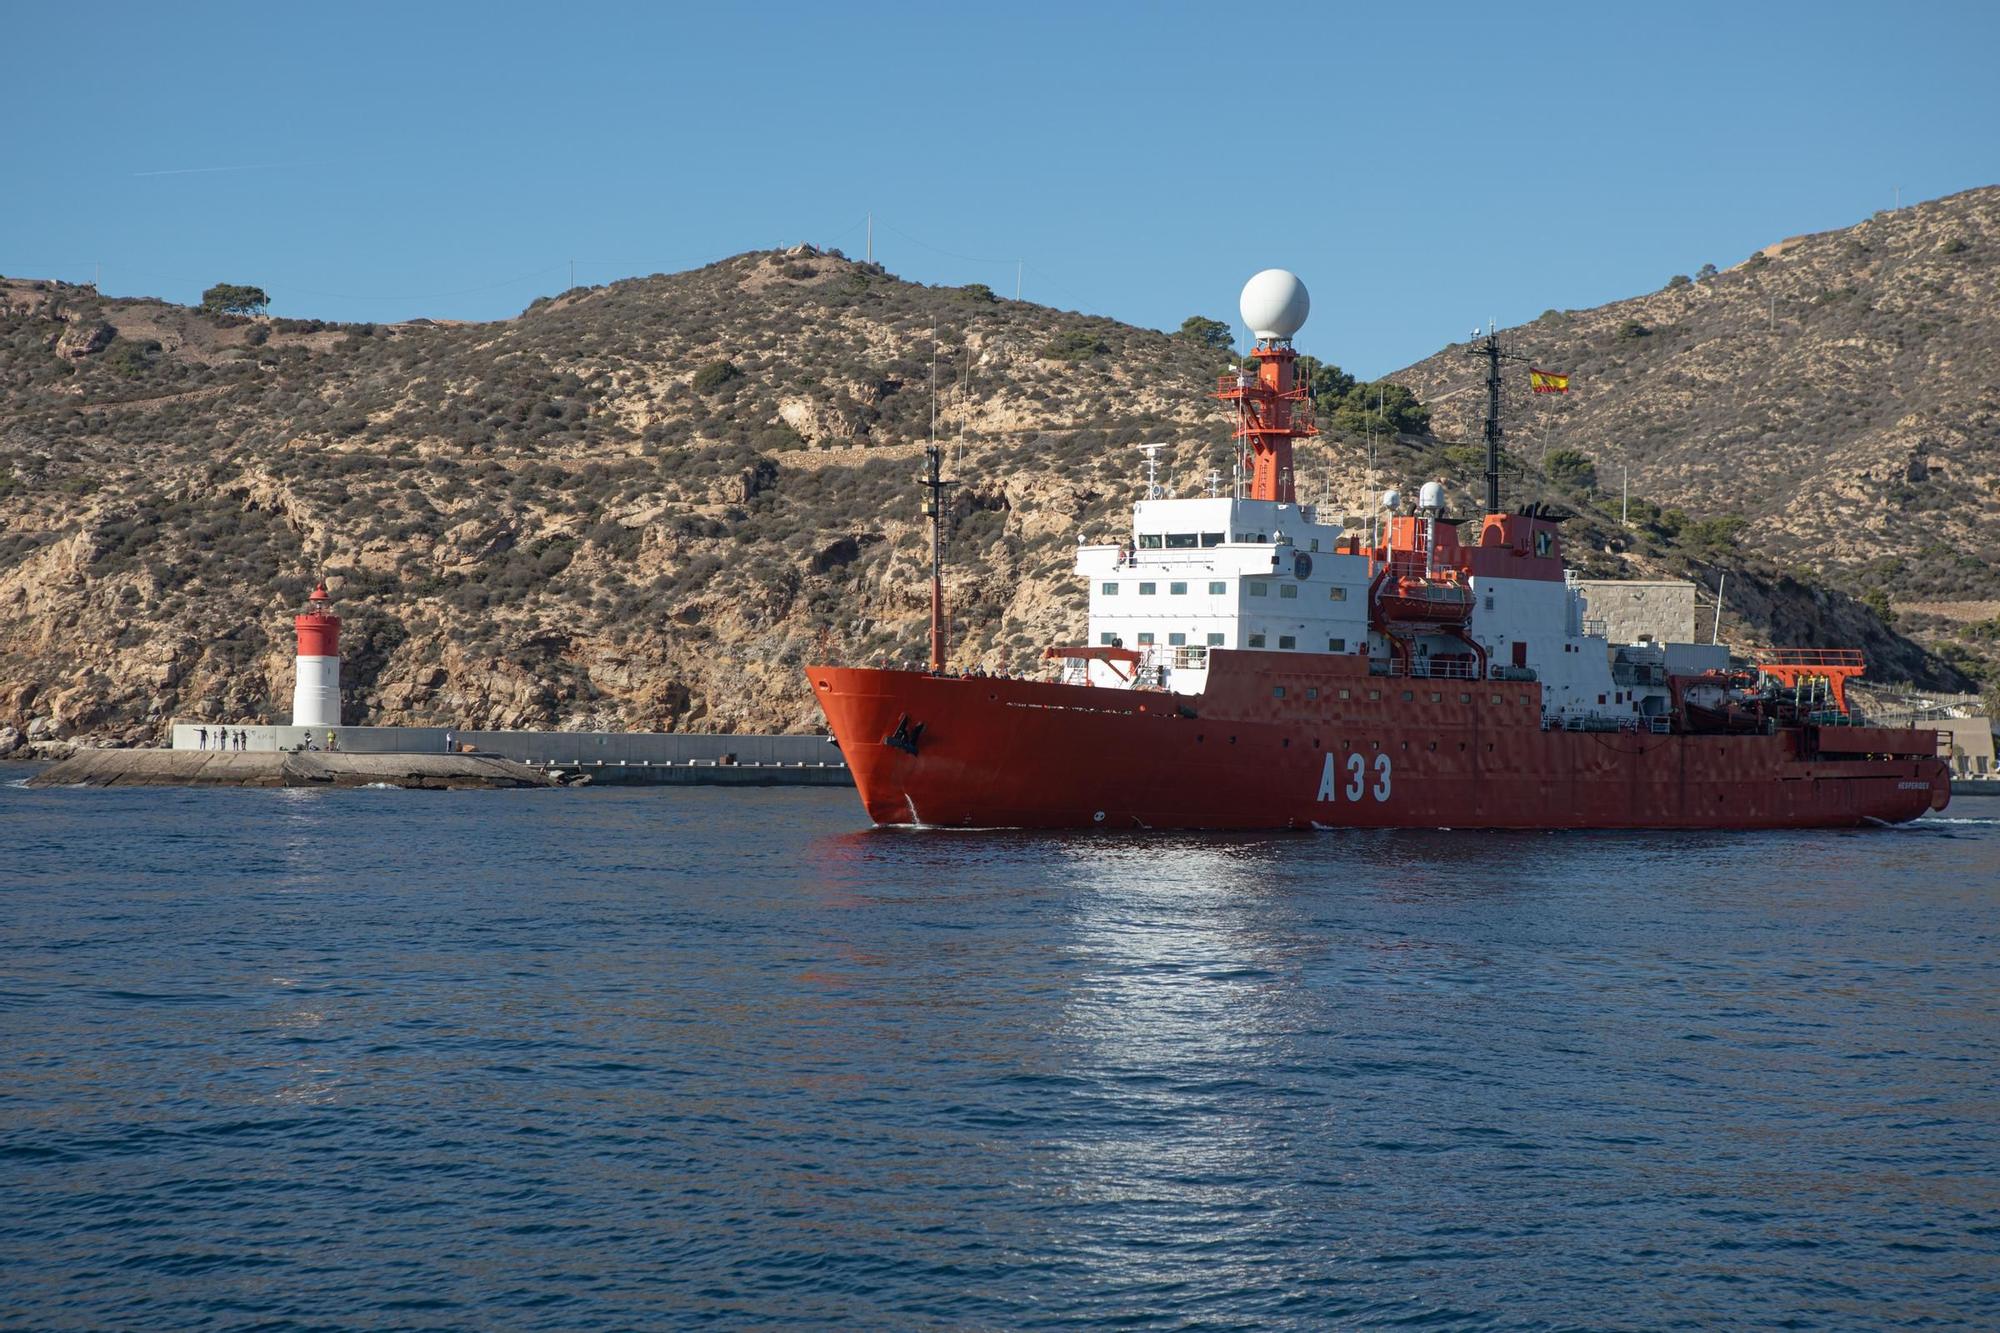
pixel 1272 408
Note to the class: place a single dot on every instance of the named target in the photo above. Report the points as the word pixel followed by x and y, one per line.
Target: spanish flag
pixel 1547 381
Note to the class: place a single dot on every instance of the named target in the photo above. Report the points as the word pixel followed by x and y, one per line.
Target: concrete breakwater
pixel 607 758
pixel 183 768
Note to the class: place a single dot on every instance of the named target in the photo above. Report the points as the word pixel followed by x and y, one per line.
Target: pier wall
pixel 591 750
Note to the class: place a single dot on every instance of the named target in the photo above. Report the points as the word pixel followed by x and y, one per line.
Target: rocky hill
pixel 1833 400
pixel 637 506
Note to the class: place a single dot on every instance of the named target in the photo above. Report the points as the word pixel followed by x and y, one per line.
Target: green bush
pixel 1379 406
pixel 714 375
pixel 1572 468
pixel 1632 330
pixel 228 298
pixel 1327 383
pixel 1678 280
pixel 1204 332
pixel 1075 345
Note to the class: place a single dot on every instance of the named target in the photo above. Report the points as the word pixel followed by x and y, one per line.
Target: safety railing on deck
pixel 1425 669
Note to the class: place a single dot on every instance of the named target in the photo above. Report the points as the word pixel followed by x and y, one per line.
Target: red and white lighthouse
pixel 316 693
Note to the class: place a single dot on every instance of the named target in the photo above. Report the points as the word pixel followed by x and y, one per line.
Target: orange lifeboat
pixel 1415 598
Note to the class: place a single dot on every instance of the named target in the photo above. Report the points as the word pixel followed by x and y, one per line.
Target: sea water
pixel 665 1057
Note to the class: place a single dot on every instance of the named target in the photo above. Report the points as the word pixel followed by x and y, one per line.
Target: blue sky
pixel 1424 168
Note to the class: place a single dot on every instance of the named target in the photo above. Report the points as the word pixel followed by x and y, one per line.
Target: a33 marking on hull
pixel 1357 786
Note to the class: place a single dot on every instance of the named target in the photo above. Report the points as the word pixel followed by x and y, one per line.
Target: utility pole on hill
pixel 1018 265
pixel 871 237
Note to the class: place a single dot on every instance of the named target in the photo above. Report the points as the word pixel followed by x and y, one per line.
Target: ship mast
pixel 1272 407
pixel 934 510
pixel 1488 348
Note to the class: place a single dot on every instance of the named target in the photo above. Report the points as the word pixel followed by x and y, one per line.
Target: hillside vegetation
pixel 1830 405
pixel 644 505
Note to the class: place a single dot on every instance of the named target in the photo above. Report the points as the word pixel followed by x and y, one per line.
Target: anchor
pixel 905 736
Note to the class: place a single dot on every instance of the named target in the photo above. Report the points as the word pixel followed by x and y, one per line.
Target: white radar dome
pixel 1431 496
pixel 1392 499
pixel 1274 304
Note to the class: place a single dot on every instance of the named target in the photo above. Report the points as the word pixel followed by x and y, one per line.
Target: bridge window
pixel 1211 539
pixel 1181 541
pixel 1148 589
pixel 1218 588
pixel 1149 541
pixel 1177 640
pixel 1336 645
pixel 1277 691
pixel 1107 639
pixel 1256 641
pixel 1288 641
pixel 1290 590
pixel 1256 589
pixel 1215 640
pixel 1177 589
pixel 1336 594
pixel 1109 589
pixel 1145 638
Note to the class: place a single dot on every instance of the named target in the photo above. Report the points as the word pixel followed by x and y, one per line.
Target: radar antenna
pixel 1272 408
pixel 1154 491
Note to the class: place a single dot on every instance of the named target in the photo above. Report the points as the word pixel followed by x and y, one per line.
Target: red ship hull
pixel 1288 741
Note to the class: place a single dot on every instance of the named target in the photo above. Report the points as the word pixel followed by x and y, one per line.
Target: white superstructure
pixel 1196 575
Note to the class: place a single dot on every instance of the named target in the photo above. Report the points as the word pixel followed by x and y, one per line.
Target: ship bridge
pixel 1222 572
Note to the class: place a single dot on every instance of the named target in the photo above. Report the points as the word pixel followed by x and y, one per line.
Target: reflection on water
pixel 642 1058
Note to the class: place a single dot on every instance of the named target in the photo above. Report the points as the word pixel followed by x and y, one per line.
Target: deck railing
pixel 1425 669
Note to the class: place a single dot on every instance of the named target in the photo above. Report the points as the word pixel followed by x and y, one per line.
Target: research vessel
pixel 1250 665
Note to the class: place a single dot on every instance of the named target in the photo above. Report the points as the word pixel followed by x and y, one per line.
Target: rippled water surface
pixel 653 1058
